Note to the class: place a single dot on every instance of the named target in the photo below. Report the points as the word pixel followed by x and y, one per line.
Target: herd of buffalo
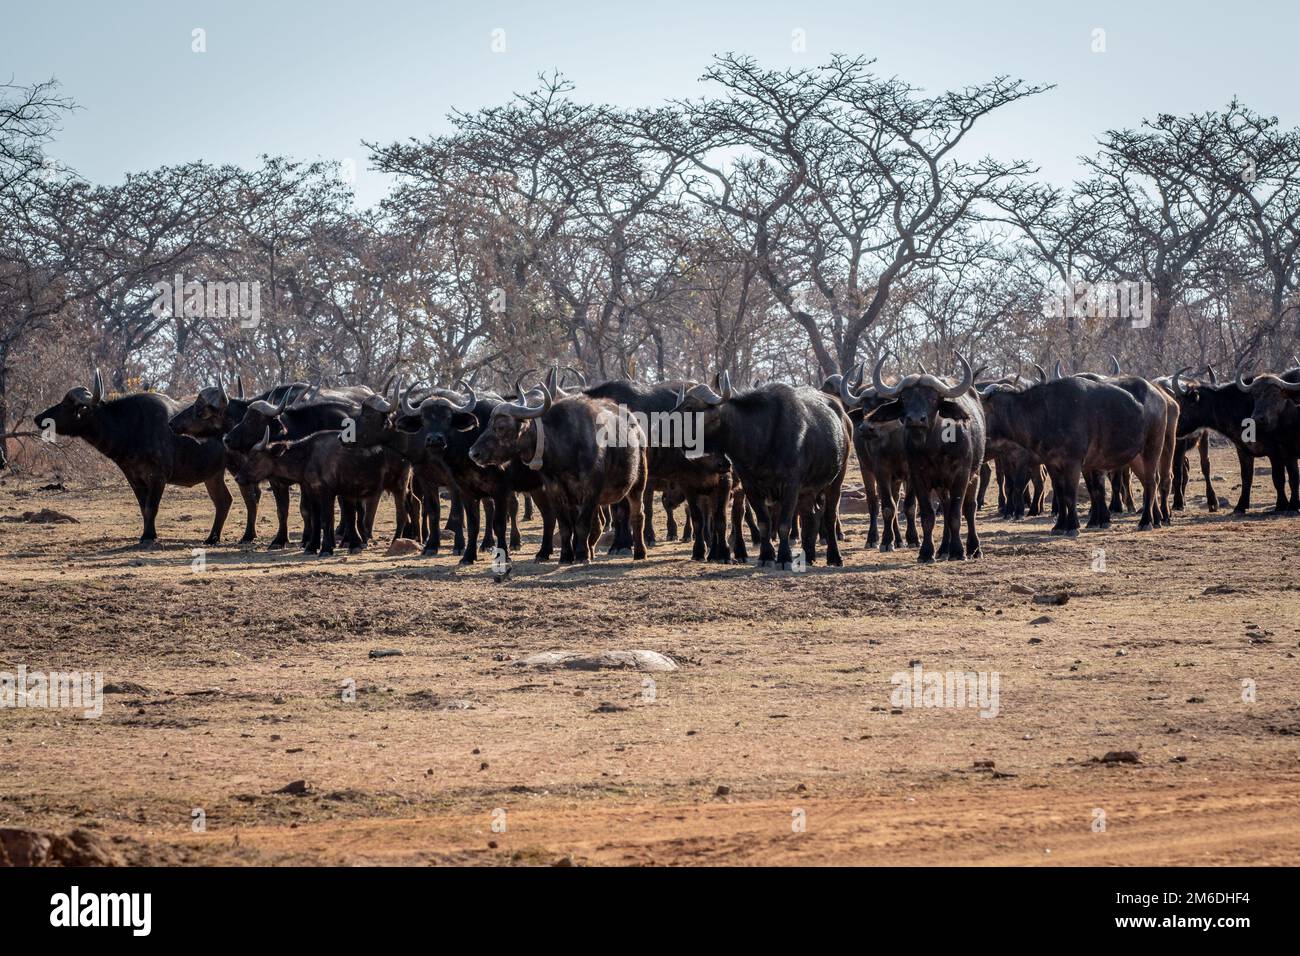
pixel 772 457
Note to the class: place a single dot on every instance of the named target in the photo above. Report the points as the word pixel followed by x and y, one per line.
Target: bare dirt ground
pixel 775 742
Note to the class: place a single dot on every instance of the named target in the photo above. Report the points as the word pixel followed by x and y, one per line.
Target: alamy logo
pixel 676 429
pixel 1102 300
pixel 921 688
pixel 54 690
pixel 210 300
pixel 103 909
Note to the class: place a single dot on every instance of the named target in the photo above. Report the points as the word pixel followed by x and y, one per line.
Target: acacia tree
pixel 849 182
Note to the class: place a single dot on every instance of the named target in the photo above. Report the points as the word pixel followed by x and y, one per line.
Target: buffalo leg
pixel 954 502
pixel 1246 465
pixel 926 554
pixel 489 524
pixel 739 553
pixel 969 507
pixel 648 509
pixel 470 506
pixel 810 530
pixel 719 547
pixel 909 510
pixel 326 522
pixel 763 518
pixel 221 499
pixel 432 518
pixel 501 518
pixel 695 514
pixel 516 542
pixel 1211 496
pixel 548 526
pixel 889 534
pixel 148 495
pixel 788 505
pixel 1180 475
pixel 280 492
pixel 251 493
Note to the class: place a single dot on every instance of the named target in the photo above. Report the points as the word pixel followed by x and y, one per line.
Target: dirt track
pixel 782 699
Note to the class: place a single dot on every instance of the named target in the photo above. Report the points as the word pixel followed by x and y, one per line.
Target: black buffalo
pixel 943 437
pixel 790 448
pixel 133 432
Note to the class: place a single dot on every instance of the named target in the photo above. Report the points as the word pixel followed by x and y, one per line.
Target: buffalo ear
pixel 464 421
pixel 889 412
pixel 953 410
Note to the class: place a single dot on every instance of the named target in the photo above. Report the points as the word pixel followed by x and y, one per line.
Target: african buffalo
pixel 132 431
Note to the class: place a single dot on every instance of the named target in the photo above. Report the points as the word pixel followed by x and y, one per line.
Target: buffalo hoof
pixel 211 541
pixel 326 554
pixel 468 559
pixel 1057 531
pixel 924 558
pixel 886 547
pixel 456 551
pixel 355 549
pixel 976 553
pixel 429 553
pixel 248 539
pixel 620 552
pixel 834 561
pixel 1145 526
pixel 277 545
pixel 148 544
pixel 515 542
pixel 1072 533
pixel 766 563
pixel 670 536
pixel 542 558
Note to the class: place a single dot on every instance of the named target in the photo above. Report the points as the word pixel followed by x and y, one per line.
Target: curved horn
pixel 924 370
pixel 846 389
pixel 239 387
pixel 1042 376
pixel 520 391
pixel 1178 387
pixel 878 383
pixel 582 379
pixel 705 394
pixel 1295 362
pixel 967 379
pixel 266 440
pixel 1056 370
pixel 981 370
pixel 225 399
pixel 1241 384
pixel 726 385
pixel 472 401
pixel 97 392
pixel 404 402
pixel 1214 379
pixel 553 380
pixel 523 410
pixel 1115 364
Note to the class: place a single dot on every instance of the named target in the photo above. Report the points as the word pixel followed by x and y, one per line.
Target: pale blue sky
pixel 313 79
